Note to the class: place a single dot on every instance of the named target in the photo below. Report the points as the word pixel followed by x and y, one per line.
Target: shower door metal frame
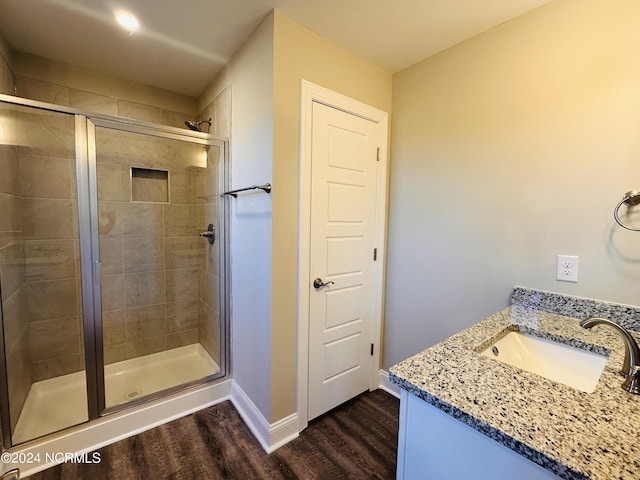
pixel 86 279
pixel 86 178
pixel 5 414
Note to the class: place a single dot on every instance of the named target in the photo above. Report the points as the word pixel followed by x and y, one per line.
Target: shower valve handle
pixel 210 234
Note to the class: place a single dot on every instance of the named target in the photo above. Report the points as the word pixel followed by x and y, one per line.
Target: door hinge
pixel 378 155
pixel 375 254
pixel 372 349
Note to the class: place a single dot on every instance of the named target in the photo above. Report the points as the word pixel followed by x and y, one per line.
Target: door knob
pixel 318 283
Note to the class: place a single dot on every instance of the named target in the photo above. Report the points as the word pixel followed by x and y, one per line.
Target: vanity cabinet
pixel 433 445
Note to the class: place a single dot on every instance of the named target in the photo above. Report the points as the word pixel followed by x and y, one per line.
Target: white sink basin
pixel 562 363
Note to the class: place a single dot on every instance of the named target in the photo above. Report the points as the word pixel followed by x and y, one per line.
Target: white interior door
pixel 343 216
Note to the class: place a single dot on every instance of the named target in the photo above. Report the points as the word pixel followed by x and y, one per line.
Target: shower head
pixel 195 126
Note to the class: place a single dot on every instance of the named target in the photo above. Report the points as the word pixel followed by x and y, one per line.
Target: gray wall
pixel 507 150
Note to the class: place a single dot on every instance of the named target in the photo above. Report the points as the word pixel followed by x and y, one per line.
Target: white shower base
pixel 60 402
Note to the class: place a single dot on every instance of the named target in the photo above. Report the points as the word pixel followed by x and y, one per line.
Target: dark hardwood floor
pixel 357 440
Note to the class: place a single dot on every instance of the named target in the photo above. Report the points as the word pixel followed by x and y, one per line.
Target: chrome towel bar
pixel 234 193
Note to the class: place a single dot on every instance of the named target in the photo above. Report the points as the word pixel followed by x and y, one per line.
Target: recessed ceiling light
pixel 128 22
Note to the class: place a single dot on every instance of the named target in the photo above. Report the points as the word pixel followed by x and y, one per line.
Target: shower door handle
pixel 209 234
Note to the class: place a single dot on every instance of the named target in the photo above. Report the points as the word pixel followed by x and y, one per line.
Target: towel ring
pixel 631 198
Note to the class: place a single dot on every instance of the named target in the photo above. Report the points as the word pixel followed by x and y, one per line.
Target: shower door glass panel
pixel 40 281
pixel 160 278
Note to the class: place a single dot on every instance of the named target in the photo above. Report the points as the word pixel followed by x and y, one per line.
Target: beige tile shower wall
pixel 219 110
pixel 12 263
pixel 38 78
pixel 49 214
pixel 208 195
pixel 39 251
pixel 96 103
pixel 13 282
pixel 7 79
pixel 152 256
pixel 147 250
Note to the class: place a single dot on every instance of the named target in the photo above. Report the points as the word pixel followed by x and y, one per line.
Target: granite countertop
pixel 574 434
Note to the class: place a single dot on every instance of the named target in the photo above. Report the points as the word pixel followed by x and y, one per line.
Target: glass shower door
pixel 41 293
pixel 161 285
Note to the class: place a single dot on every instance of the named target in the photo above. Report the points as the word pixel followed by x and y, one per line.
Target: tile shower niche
pixel 149 185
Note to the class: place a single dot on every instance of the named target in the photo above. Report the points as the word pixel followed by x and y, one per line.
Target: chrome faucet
pixel 631 365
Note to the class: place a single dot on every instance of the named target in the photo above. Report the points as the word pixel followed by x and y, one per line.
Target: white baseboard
pixel 387 385
pixel 271 436
pixel 114 427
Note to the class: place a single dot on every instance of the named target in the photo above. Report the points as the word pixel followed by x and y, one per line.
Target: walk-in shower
pixel 110 294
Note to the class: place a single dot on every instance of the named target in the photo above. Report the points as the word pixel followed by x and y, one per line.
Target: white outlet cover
pixel 567 268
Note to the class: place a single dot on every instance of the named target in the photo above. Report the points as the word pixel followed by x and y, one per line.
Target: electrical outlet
pixel 567 268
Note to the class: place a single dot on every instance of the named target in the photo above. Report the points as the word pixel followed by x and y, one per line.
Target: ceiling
pixel 182 45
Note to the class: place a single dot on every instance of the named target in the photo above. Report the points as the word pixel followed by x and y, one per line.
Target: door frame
pixel 311 93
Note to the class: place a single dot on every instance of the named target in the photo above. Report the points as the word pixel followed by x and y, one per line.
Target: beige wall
pixel 249 80
pixel 507 150
pixel 301 54
pixel 264 80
